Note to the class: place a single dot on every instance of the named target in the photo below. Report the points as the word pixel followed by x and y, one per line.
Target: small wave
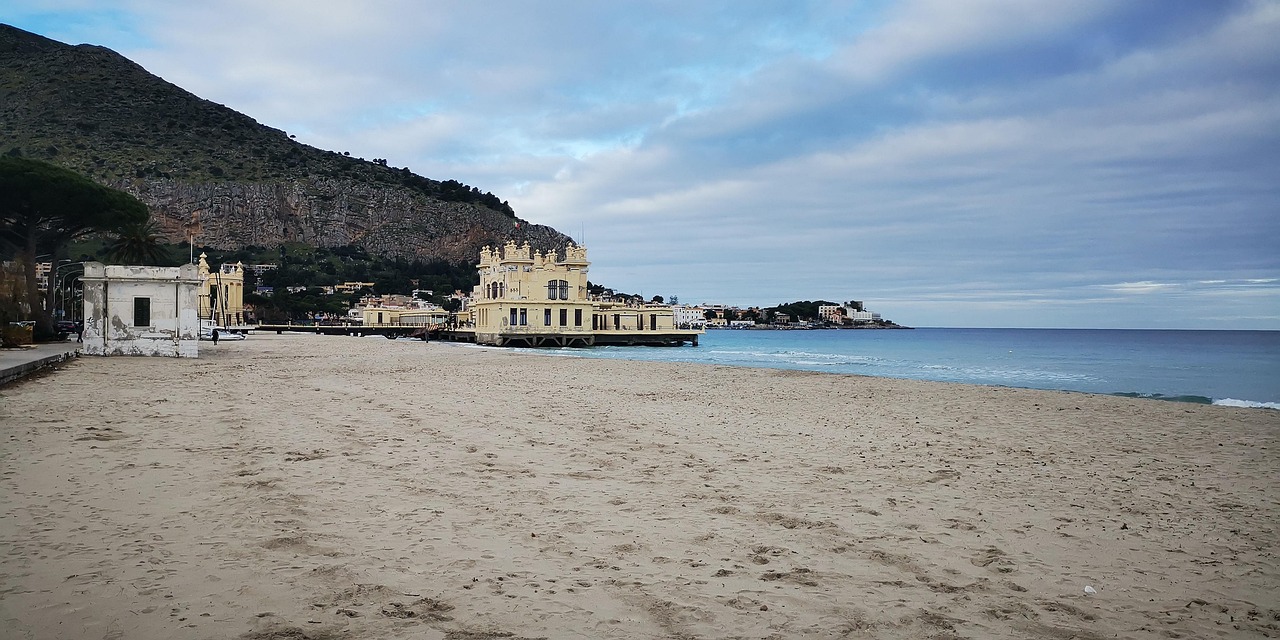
pixel 1250 404
pixel 1020 375
pixel 1161 396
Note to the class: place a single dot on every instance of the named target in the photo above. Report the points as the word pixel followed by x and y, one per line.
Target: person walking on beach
pixel 215 337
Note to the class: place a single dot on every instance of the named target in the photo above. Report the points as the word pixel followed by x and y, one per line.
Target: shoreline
pixel 326 488
pixel 1133 395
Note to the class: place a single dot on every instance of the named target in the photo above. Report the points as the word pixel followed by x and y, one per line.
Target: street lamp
pixel 62 284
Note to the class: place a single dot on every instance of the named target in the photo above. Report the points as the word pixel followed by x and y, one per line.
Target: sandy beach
pixel 300 486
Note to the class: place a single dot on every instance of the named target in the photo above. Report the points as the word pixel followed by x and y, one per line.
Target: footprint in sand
pixel 994 558
pixel 761 554
pixel 102 434
pixel 420 609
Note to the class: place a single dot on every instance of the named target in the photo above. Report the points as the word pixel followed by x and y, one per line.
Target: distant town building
pixel 144 311
pixel 408 316
pixel 851 312
pixel 221 293
pixel 42 275
pixel 259 269
pixel 399 309
pixel 689 317
pixel 352 287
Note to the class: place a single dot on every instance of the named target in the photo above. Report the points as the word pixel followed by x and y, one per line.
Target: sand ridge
pixel 301 486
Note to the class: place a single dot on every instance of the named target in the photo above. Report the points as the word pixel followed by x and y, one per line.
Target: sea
pixel 1235 368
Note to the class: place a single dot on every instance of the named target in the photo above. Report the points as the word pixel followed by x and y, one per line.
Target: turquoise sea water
pixel 1223 367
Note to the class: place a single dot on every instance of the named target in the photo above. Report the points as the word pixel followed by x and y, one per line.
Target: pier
pixel 589 339
pixel 390 331
pixel 675 338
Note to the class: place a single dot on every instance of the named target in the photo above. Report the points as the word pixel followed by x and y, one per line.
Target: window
pixel 557 289
pixel 564 289
pixel 653 321
pixel 524 317
pixel 546 318
pixel 142 312
pixel 617 322
pixel 564 317
pixel 513 316
pixel 577 318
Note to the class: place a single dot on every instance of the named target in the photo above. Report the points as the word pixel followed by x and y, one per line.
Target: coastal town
pixel 498 267
pixel 524 298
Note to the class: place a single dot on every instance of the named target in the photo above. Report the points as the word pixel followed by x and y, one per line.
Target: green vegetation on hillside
pixel 92 110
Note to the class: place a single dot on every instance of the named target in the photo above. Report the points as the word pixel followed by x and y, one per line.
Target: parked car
pixel 67 327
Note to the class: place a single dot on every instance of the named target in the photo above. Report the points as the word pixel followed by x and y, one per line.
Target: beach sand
pixel 301 486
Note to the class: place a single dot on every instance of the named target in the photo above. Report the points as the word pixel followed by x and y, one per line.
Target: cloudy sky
pixel 950 162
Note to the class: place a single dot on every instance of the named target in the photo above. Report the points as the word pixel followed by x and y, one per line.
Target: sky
pixel 975 163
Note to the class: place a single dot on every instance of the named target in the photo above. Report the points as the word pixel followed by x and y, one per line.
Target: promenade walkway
pixel 18 362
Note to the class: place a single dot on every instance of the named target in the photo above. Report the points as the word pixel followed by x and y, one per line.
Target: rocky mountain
pixel 209 172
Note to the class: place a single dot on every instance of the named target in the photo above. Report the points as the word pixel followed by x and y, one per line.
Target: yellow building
pixel 404 316
pixel 352 287
pixel 221 293
pixel 532 299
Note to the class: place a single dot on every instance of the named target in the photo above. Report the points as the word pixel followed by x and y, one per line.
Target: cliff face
pixel 326 212
pixel 219 176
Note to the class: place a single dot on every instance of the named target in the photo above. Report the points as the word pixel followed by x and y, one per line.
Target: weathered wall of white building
pixel 117 321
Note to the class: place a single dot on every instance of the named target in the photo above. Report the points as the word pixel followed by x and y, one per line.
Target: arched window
pixel 564 289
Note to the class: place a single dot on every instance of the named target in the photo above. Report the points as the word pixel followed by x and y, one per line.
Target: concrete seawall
pixel 19 363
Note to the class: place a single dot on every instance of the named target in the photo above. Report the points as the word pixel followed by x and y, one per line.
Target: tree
pixel 657 300
pixel 137 243
pixel 44 207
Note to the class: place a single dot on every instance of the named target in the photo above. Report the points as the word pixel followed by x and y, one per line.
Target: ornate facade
pixel 222 293
pixel 533 299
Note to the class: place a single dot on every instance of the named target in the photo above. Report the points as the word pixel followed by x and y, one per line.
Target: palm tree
pixel 137 243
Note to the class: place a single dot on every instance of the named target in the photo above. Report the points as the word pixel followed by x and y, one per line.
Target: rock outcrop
pixel 219 176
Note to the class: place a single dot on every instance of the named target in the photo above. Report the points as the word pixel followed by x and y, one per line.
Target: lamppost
pixel 62 286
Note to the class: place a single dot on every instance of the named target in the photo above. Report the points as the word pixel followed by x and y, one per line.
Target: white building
pixel 831 313
pixel 141 311
pixel 689 317
pixel 852 311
